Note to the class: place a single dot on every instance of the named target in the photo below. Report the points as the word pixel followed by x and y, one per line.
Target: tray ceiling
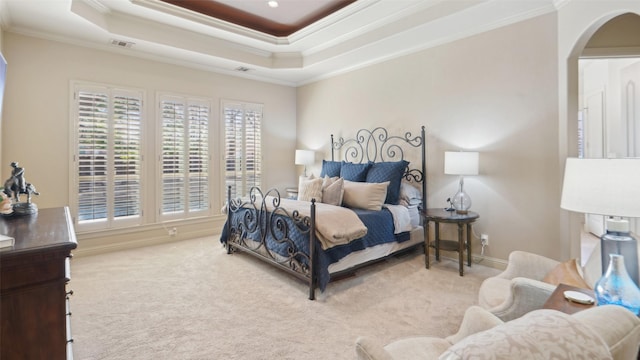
pixel 323 38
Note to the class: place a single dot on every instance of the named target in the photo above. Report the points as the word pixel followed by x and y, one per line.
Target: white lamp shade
pixel 609 187
pixel 461 162
pixel 305 157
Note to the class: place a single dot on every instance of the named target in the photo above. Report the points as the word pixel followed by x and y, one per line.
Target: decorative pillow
pixel 540 334
pixel 368 196
pixel 310 189
pixel 354 172
pixel 568 272
pixel 332 190
pixel 330 168
pixel 391 171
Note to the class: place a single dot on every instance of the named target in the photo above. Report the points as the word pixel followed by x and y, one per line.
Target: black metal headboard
pixel 378 146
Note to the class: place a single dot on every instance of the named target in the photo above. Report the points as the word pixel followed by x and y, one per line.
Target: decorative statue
pixel 16 185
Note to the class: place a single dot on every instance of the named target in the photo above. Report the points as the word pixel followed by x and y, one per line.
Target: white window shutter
pixel 184 157
pixel 243 147
pixel 108 157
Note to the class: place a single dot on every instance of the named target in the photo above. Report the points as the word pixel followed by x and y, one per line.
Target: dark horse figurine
pixel 16 184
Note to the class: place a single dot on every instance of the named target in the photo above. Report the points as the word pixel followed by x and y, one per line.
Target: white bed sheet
pixel 376 252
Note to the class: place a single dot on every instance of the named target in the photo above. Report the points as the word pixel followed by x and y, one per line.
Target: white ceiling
pixel 363 33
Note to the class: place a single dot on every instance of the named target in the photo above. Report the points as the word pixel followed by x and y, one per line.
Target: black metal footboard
pixel 259 226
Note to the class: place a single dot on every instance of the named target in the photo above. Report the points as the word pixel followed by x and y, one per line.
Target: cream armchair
pixel 519 289
pixel 603 332
pixel 529 280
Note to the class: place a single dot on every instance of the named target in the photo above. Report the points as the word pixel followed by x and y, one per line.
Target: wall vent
pixel 121 43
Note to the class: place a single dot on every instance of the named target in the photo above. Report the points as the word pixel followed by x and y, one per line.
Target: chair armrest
pixel 476 319
pixel 526 295
pixel 368 349
pixel 527 265
pixel 617 326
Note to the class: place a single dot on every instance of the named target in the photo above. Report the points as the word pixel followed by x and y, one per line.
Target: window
pixel 243 155
pixel 184 157
pixel 107 159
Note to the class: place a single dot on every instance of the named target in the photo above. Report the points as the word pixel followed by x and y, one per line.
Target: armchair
pixel 519 289
pixel 529 280
pixel 603 332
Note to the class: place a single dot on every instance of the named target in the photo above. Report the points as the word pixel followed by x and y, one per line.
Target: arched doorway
pixel 612 36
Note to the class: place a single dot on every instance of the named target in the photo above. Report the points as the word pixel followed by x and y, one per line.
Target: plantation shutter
pixel 108 156
pixel 173 142
pixel 243 149
pixel 185 156
pixel 198 157
pixel 93 129
pixel 127 156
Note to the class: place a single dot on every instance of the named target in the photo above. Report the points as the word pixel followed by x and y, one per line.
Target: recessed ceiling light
pixel 272 3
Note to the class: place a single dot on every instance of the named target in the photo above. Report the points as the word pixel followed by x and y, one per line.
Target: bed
pixel 364 207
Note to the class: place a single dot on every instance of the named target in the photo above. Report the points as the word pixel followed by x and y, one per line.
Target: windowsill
pixel 100 242
pixel 90 234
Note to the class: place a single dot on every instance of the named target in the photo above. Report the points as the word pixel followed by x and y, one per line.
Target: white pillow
pixel 310 189
pixel 414 215
pixel 332 190
pixel 410 194
pixel 368 196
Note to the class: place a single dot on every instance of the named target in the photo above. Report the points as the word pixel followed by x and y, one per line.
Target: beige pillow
pixel 368 196
pixel 332 190
pixel 568 272
pixel 310 189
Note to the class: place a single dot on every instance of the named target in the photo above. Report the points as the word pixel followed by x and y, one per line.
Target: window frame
pixel 110 222
pixel 186 213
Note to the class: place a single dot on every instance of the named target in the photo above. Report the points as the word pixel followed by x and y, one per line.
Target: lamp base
pixel 618 240
pixel 462 212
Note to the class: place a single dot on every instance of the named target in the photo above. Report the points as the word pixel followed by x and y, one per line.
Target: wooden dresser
pixel 33 286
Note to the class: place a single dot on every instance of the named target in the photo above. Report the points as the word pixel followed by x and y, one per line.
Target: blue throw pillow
pixel 330 168
pixel 354 172
pixel 391 171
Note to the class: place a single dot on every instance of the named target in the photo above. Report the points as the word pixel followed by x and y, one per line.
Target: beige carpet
pixel 190 300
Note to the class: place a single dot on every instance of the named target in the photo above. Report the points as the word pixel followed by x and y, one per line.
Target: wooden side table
pixel 440 215
pixel 557 301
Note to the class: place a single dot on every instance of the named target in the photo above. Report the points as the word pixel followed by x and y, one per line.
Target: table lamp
pixel 305 157
pixel 461 163
pixel 609 187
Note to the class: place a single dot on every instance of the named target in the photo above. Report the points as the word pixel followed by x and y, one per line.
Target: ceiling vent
pixel 121 43
pixel 242 69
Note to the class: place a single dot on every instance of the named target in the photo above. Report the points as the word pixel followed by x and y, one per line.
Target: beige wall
pixel 495 93
pixel 619 33
pixel 36 125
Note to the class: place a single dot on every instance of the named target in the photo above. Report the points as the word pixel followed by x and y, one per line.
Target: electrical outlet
pixel 173 231
pixel 484 239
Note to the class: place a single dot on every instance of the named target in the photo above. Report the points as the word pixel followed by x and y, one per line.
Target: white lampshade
pixel 305 157
pixel 609 187
pixel 461 162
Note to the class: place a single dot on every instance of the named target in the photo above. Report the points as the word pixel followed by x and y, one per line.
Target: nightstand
pixel 440 215
pixel 292 193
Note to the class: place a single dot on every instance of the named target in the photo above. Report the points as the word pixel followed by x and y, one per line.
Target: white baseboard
pixel 487 261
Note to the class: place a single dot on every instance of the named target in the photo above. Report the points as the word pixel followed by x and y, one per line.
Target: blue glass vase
pixel 616 286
